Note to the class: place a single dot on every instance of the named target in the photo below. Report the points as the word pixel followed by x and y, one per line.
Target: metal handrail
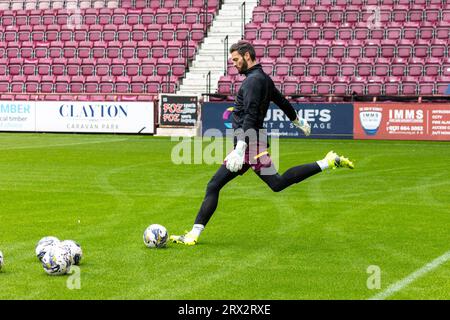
pixel 242 19
pixel 225 56
pixel 208 82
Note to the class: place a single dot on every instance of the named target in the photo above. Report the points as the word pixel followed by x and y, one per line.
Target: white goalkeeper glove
pixel 235 159
pixel 303 125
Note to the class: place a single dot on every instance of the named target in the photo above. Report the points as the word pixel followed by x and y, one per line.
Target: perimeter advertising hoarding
pixel 178 111
pixel 402 121
pixel 328 121
pixel 80 116
pixel 17 116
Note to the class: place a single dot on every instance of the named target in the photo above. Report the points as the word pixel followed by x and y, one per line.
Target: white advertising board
pixel 77 116
pixel 17 116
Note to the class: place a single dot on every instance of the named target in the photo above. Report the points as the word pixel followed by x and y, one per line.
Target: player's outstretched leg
pixel 299 173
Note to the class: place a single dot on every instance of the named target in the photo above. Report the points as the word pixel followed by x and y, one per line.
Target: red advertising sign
pixel 402 121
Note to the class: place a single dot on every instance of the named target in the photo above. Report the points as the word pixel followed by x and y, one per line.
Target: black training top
pixel 253 99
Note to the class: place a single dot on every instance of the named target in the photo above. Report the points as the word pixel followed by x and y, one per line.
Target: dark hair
pixel 242 47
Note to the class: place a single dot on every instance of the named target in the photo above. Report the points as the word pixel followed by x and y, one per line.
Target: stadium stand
pixel 104 47
pixel 350 47
pixel 107 49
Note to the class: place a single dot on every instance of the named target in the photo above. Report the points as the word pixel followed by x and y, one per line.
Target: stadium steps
pixel 210 56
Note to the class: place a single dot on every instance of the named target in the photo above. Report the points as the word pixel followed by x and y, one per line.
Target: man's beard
pixel 244 67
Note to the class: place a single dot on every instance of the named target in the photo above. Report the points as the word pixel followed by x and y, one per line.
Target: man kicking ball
pixel 250 151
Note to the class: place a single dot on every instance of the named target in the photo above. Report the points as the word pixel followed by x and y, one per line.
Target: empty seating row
pixel 56 4
pixel 90 67
pixel 104 16
pixel 84 4
pixel 91 84
pixel 352 49
pixel 98 49
pixel 353 67
pixel 348 85
pixel 358 31
pixel 106 33
pixel 369 14
pixel 314 3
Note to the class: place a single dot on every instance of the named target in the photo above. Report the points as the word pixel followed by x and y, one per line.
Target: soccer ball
pixel 1 260
pixel 56 260
pixel 74 249
pixel 43 245
pixel 155 236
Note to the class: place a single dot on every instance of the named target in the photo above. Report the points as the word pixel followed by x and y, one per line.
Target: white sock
pixel 197 229
pixel 323 164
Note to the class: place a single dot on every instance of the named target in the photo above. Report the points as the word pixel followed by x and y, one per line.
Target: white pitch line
pixel 61 145
pixel 412 277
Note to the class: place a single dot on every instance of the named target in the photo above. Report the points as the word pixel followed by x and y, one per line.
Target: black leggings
pixel 275 181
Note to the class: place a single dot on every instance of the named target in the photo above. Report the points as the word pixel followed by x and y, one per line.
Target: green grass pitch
pixel 315 240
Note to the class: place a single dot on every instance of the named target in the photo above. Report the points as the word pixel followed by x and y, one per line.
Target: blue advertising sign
pixel 327 120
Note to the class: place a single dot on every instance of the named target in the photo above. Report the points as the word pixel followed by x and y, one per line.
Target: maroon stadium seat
pixel 102 68
pixel 314 67
pixel 289 48
pixel 426 85
pixel 306 49
pixel 357 86
pixel 4 83
pixel 355 49
pixel 392 86
pixel 364 67
pixel 442 84
pixel 375 85
pixel 388 48
pixel 438 48
pixel 381 67
pixel 298 31
pixel 282 31
pixel 331 67
pixel 225 85
pixel 289 14
pixel 323 85
pixel 340 86
pixel 305 14
pixel 274 15
pixel 137 84
pixel 348 67
pixel 415 67
pixel 446 67
pixel 29 67
pixel 298 67
pixel 409 85
pixel 338 49
pixel 398 67
pixel 148 66
pixel 282 67
pixel 322 48
pixel 91 85
pixel 259 15
pixel 307 85
pixel 274 48
pixel 290 85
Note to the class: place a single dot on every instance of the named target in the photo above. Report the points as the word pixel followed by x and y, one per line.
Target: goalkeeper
pixel 251 105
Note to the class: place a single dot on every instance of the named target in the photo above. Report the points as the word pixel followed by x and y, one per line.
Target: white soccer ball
pixel 1 260
pixel 74 249
pixel 155 236
pixel 57 260
pixel 43 245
